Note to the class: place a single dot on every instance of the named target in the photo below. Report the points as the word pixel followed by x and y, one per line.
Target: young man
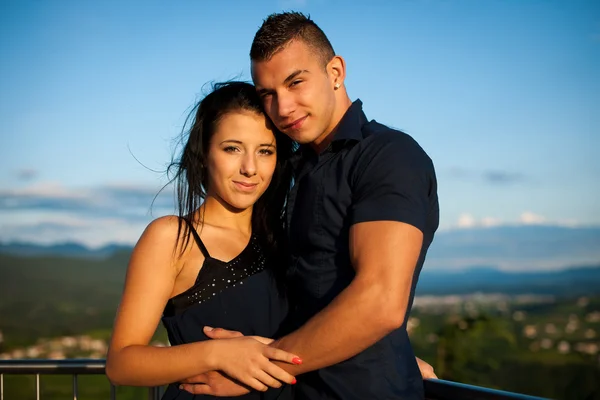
pixel 361 216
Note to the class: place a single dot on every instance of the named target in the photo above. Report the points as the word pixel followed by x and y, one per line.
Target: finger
pixel 279 373
pixel 282 355
pixel 427 372
pixel 431 375
pixel 255 384
pixel 263 340
pixel 202 378
pixel 268 380
pixel 197 388
pixel 220 333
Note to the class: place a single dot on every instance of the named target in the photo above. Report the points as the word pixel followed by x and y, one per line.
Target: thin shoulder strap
pixel 197 238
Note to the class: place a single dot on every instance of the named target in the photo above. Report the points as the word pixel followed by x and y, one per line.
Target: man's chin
pixel 300 137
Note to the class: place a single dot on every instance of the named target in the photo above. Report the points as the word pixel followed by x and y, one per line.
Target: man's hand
pixel 426 369
pixel 213 383
pixel 220 333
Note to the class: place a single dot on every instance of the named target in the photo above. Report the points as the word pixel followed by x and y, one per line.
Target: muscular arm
pixel 384 255
pixel 393 187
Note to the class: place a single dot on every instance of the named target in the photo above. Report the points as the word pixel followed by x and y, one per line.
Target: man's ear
pixel 336 69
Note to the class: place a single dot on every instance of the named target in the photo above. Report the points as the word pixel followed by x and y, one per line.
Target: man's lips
pixel 295 124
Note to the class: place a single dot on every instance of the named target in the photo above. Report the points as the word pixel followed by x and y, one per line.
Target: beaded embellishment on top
pixel 216 276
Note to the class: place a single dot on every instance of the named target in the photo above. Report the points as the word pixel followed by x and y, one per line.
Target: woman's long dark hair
pixel 191 176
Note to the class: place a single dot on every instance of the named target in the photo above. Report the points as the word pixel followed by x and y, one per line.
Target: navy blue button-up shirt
pixel 369 172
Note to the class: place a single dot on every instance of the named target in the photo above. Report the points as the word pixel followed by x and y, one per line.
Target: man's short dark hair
pixel 279 29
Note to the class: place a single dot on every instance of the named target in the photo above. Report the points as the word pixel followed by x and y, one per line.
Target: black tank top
pixel 240 295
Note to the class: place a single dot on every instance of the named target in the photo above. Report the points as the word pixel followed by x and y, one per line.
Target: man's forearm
pixel 357 318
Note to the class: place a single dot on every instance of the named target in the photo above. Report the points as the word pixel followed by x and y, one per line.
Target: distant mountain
pixel 511 248
pixel 567 282
pixel 515 248
pixel 69 249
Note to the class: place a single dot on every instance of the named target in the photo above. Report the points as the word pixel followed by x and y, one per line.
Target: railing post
pixel 37 386
pixel 75 387
pixel 1 386
pixel 153 393
pixel 113 392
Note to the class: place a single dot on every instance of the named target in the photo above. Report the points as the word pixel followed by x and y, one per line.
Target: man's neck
pixel 324 140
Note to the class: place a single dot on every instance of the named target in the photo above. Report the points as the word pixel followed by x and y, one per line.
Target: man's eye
pixel 296 82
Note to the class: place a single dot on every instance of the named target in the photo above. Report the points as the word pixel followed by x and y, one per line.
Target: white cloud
pixel 53 190
pixel 466 221
pixel 62 227
pixel 529 218
pixel 490 221
pixel 51 213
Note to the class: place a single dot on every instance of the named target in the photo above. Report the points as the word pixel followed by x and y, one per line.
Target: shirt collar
pixel 348 129
pixel 350 126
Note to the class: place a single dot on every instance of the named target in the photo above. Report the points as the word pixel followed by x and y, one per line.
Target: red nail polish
pixel 294 381
pixel 297 360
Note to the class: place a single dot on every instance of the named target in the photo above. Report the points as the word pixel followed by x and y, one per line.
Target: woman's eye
pixel 266 152
pixel 230 149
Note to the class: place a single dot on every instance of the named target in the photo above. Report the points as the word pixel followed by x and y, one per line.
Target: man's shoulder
pixel 381 139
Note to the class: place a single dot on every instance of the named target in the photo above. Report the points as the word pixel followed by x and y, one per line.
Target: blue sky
pixel 503 95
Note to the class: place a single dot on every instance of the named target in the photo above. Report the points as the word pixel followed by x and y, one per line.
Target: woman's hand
pixel 247 359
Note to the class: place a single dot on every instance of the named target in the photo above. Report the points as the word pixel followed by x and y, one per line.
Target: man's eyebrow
pixel 294 74
pixel 263 91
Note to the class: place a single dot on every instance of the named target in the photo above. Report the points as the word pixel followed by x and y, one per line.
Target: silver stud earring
pixel 337 86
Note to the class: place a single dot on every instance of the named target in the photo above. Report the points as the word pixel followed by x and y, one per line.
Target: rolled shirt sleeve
pixel 393 180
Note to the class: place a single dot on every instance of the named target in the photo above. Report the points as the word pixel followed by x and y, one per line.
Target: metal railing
pixel 435 389
pixel 438 389
pixel 73 367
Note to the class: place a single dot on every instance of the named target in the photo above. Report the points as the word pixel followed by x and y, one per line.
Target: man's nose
pixel 285 104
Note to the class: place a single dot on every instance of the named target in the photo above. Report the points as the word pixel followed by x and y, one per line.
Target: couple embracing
pixel 290 269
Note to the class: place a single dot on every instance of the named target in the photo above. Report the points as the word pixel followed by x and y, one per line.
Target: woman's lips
pixel 245 186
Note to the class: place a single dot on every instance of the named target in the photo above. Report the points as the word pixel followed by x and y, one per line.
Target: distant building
pixel 564 347
pixel 593 317
pixel 530 331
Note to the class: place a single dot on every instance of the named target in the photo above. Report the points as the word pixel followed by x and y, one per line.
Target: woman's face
pixel 241 159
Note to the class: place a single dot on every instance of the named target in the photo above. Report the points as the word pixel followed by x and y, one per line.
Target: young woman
pixel 216 263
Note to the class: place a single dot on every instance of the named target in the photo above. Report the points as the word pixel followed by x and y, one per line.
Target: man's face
pixel 297 92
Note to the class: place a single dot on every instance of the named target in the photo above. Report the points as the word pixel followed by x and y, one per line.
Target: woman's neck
pixel 215 211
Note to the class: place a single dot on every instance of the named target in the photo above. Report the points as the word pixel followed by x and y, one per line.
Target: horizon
pixel 510 249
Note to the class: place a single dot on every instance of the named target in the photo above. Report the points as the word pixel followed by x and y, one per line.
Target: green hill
pixel 53 296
